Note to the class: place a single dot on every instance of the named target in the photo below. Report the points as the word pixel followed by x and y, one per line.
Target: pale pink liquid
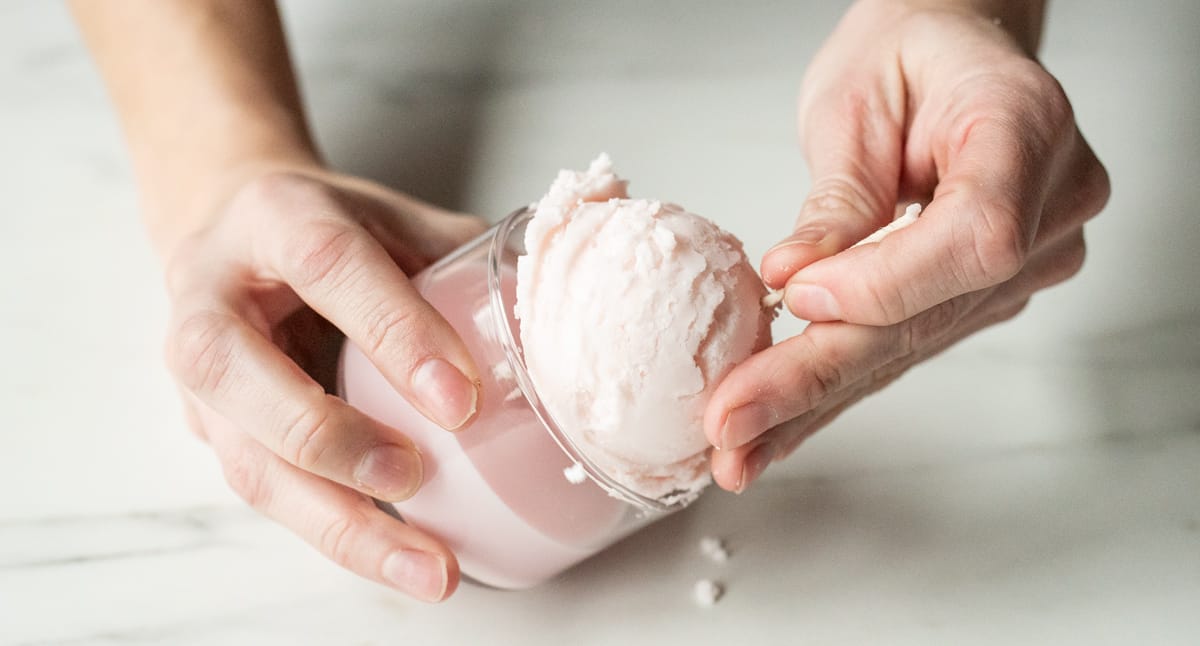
pixel 494 492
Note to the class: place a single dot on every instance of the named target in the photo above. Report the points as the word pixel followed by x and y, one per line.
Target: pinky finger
pixel 343 524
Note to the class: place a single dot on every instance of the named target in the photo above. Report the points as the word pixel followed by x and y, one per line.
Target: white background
pixel 1038 484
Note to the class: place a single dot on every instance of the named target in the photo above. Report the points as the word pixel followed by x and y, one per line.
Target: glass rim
pixel 513 352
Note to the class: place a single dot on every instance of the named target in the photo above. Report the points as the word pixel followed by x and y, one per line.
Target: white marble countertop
pixel 1038 484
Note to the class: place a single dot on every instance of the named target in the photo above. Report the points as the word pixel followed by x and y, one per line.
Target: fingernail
pixel 420 574
pixel 445 393
pixel 811 302
pixel 392 472
pixel 744 423
pixel 806 236
pixel 757 462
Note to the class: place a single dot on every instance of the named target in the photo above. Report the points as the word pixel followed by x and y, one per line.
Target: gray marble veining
pixel 1037 484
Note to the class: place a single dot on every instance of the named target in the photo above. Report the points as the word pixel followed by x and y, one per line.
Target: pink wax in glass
pixel 495 492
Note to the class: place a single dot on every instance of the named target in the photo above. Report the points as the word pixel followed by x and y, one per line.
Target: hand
pixel 256 294
pixel 905 104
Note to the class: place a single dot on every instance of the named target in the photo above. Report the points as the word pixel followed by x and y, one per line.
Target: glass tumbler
pixel 497 492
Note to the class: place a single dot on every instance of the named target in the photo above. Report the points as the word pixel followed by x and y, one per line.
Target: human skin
pixel 940 102
pixel 267 255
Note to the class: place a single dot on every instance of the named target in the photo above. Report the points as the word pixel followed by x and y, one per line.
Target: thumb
pixel 975 233
pixel 853 148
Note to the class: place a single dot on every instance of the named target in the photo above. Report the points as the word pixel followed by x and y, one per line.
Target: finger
pixel 1079 192
pixel 925 336
pixel 346 275
pixel 921 338
pixel 976 233
pixel 796 375
pixel 793 377
pixel 1053 266
pixel 736 469
pixel 344 525
pixel 231 367
pixel 852 141
pixel 1050 266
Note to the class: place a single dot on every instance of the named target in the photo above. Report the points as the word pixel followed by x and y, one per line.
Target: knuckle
pixel 200 351
pixel 320 253
pixel 308 436
pixel 823 377
pixel 1069 262
pixel 1022 98
pixel 891 299
pixel 1060 114
pixel 388 327
pixel 827 379
pixel 1095 187
pixel 894 301
pixel 933 323
pixel 838 194
pixel 1034 92
pixel 999 245
pixel 337 538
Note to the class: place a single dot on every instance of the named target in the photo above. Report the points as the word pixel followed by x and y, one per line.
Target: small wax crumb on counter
pixel 910 216
pixel 575 473
pixel 707 592
pixel 714 548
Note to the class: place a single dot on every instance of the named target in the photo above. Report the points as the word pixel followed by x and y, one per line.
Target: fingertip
pixel 444 393
pixel 390 472
pixel 726 470
pixel 794 253
pixel 811 302
pixel 744 423
pixel 736 412
pixel 422 575
pixel 754 464
pixel 714 419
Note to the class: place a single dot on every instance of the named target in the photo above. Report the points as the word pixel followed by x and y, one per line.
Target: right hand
pixel 256 294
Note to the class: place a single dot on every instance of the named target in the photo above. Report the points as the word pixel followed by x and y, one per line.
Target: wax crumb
pixel 575 473
pixel 714 548
pixel 911 212
pixel 707 592
pixel 772 299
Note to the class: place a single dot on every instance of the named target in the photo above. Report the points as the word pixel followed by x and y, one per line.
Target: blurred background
pixel 1038 482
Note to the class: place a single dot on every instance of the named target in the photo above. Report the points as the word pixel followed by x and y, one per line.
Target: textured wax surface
pixel 631 311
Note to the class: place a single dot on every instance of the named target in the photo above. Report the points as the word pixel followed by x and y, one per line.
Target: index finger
pixel 340 270
pixel 975 233
pixel 344 525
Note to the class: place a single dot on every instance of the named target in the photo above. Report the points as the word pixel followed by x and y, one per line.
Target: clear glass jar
pixel 497 492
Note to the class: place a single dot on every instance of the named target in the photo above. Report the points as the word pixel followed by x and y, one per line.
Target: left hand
pixel 904 104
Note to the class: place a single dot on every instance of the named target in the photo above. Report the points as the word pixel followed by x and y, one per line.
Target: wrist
pixel 185 183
